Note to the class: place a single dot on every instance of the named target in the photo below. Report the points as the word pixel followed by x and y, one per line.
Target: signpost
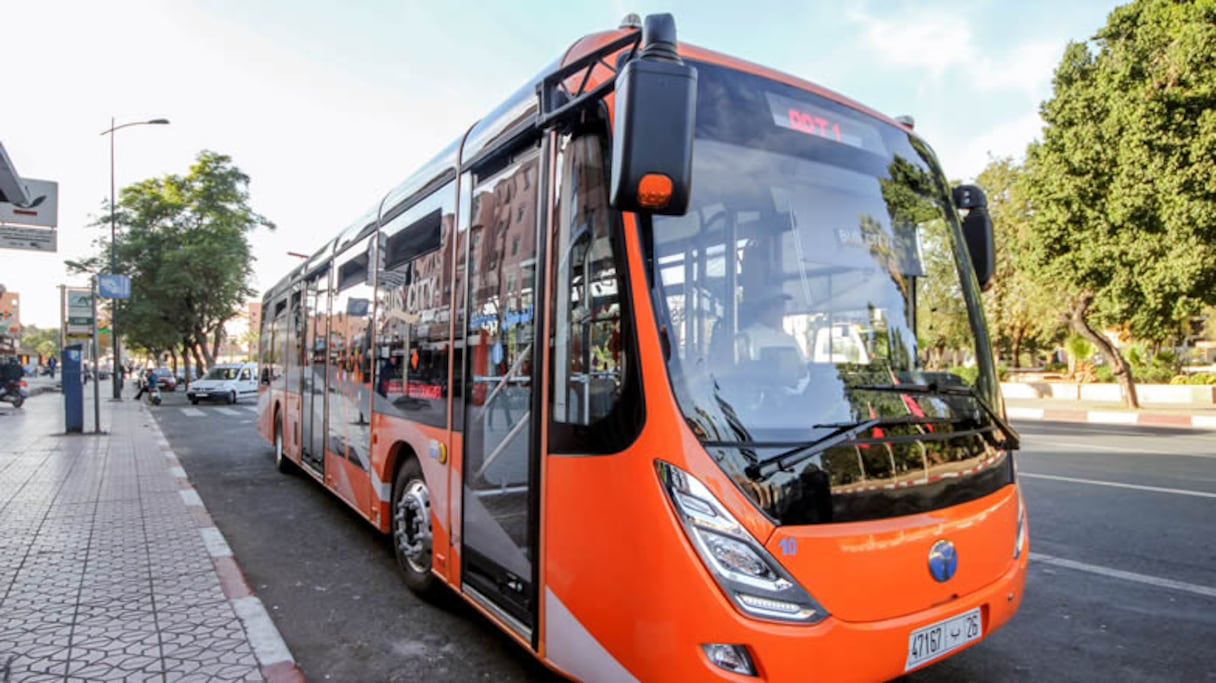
pixel 79 323
pixel 114 286
pixel 96 362
pixel 42 209
pixel 31 203
pixel 33 239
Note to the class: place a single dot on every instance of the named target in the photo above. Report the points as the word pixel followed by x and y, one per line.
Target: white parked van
pixel 228 382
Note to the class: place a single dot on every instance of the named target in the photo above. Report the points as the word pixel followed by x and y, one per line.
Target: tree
pixel 1021 311
pixel 184 241
pixel 1122 185
pixel 44 341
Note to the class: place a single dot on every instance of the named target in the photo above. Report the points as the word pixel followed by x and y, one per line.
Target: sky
pixel 327 105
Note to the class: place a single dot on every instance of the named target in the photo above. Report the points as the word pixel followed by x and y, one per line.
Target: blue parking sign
pixel 114 286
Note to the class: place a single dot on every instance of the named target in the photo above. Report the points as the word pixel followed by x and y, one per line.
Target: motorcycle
pixel 153 393
pixel 14 392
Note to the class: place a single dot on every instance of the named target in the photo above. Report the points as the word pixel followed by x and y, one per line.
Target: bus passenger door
pixel 500 466
pixel 313 364
pixel 349 395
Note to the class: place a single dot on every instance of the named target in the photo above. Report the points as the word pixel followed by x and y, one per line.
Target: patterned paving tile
pixel 103 573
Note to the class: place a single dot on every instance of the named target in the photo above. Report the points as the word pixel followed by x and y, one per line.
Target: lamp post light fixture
pixel 116 371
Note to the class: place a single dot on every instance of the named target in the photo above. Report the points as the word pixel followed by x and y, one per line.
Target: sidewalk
pixel 110 566
pixel 1187 415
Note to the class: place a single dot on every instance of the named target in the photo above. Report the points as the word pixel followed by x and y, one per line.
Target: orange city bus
pixel 674 367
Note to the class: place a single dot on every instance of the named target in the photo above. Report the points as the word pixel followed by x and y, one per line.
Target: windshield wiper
pixel 841 432
pixel 1011 442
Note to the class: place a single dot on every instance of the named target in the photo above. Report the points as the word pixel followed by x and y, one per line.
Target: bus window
pixel 591 361
pixel 272 341
pixel 413 316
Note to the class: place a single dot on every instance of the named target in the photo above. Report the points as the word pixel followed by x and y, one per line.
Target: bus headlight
pixel 757 584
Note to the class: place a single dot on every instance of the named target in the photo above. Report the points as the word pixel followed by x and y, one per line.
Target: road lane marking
pixel 1157 581
pixel 193 412
pixel 228 411
pixel 1115 484
pixel 1092 447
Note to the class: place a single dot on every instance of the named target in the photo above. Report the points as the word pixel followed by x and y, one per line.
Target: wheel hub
pixel 412 521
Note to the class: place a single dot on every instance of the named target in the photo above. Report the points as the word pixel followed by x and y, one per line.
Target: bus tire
pixel 411 529
pixel 281 461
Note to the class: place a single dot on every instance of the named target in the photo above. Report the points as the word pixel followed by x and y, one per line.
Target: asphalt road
pixel 1122 581
pixel 327 577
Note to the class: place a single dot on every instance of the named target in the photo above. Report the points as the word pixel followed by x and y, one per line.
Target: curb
pixel 274 657
pixel 1112 417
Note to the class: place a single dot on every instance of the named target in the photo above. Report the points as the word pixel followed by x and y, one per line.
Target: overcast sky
pixel 326 105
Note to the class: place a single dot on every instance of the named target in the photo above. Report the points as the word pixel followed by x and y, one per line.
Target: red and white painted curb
pixel 274 658
pixel 1112 417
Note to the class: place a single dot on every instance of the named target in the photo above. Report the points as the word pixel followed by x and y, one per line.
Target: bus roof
pixel 517 116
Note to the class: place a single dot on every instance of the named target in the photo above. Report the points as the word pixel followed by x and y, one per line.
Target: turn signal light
pixel 654 190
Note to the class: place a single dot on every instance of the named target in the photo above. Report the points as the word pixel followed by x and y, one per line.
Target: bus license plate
pixel 947 635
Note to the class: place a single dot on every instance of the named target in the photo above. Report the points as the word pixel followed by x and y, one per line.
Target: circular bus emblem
pixel 943 560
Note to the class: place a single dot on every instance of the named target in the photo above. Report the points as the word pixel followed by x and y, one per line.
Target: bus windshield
pixel 827 344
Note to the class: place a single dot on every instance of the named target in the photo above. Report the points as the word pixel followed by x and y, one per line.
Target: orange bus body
pixel 622 594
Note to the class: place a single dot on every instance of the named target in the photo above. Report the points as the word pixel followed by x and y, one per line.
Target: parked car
pixel 165 379
pixel 181 374
pixel 228 382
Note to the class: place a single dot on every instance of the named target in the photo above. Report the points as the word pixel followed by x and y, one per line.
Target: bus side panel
pixel 348 480
pixel 291 425
pixel 394 439
pixel 266 407
pixel 455 491
pixel 620 580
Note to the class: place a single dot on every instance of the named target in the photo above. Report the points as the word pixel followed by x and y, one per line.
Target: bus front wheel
pixel 412 529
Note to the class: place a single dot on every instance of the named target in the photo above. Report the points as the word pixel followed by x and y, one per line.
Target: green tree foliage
pixel 1123 184
pixel 942 324
pixel 1024 314
pixel 43 340
pixel 184 241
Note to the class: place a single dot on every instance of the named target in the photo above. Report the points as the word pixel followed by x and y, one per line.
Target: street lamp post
pixel 117 370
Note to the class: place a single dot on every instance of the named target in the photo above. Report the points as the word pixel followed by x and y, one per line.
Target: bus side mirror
pixel 977 231
pixel 266 376
pixel 655 117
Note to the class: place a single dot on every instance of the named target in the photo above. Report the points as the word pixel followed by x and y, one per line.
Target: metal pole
pixel 63 319
pixel 96 387
pixel 117 372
